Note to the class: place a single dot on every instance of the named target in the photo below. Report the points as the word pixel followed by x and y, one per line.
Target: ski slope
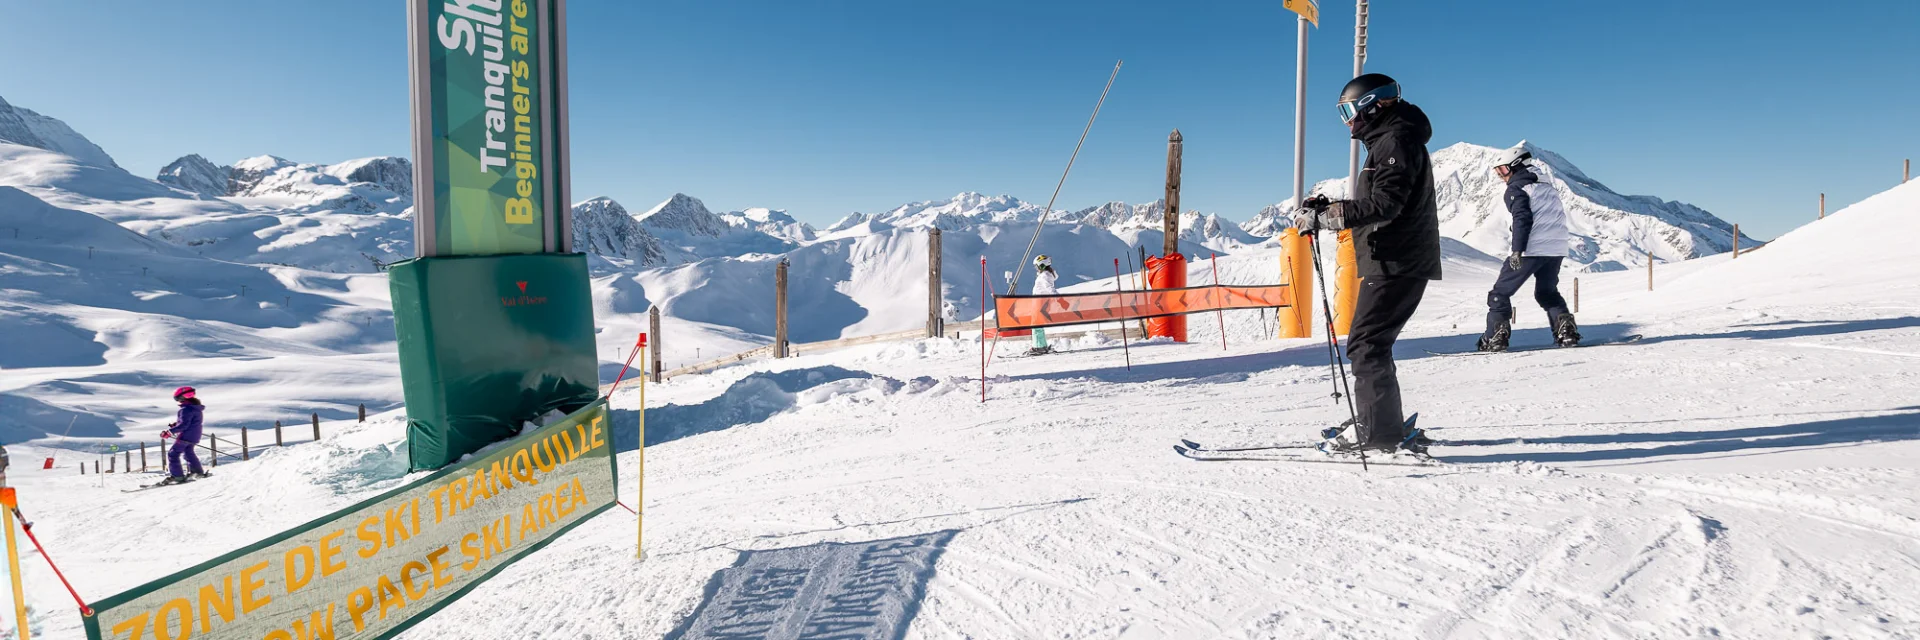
pixel 1749 469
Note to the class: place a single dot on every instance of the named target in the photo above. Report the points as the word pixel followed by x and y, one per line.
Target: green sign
pixel 489 109
pixel 372 570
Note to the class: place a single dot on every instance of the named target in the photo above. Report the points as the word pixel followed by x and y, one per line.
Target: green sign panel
pixel 372 570
pixel 489 101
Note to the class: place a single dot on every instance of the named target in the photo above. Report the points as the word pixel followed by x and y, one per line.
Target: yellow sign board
pixel 371 570
pixel 1308 9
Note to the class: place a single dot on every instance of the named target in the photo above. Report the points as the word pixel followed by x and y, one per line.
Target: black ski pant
pixel 1384 306
pixel 1545 272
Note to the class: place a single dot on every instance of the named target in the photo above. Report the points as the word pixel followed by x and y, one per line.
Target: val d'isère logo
pixel 522 300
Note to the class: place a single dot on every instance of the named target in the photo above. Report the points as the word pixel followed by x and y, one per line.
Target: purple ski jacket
pixel 186 425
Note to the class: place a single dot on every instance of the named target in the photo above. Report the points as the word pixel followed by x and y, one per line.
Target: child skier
pixel 1540 240
pixel 1043 285
pixel 185 432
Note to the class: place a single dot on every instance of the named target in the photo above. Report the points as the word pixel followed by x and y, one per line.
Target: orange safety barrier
pixel 1035 312
pixel 1167 273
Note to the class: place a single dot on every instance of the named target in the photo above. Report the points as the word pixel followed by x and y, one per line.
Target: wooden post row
pixel 780 310
pixel 653 336
pixel 1170 218
pixel 934 299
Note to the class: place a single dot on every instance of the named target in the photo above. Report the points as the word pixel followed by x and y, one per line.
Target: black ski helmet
pixel 1362 96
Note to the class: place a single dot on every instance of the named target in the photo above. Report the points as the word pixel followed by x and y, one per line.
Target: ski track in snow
pixel 1750 469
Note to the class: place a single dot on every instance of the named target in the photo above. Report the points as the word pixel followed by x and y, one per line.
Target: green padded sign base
pixel 488 343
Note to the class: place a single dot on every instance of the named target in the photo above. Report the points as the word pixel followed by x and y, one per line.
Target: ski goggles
pixel 1351 110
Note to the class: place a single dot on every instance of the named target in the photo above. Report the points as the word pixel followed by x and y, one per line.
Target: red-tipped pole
pixel 983 328
pixel 1123 325
pixel 1217 312
pixel 623 368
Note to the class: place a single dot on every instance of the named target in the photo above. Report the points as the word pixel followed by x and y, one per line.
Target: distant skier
pixel 185 432
pixel 1540 241
pixel 1396 242
pixel 1043 285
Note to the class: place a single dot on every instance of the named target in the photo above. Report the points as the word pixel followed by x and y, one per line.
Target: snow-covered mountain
pixel 26 128
pixel 604 228
pixel 1133 224
pixel 773 222
pixel 1611 231
pixel 684 222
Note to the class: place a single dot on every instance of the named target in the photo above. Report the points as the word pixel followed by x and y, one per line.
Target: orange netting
pixel 1031 312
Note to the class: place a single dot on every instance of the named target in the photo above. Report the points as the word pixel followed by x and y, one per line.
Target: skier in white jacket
pixel 1540 243
pixel 1043 285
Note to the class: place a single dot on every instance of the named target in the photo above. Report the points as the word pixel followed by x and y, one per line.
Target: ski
pixel 1596 343
pixel 1195 446
pixel 1311 455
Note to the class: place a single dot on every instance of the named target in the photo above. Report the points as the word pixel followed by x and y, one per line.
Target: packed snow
pixel 1763 484
pixel 1747 469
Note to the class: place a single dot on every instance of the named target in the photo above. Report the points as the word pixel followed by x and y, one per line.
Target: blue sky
pixel 1747 108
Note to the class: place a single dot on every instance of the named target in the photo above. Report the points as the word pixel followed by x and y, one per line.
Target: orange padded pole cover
pixel 1296 269
pixel 1168 272
pixel 1346 284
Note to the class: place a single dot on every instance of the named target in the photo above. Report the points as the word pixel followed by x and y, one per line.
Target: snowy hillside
pixel 21 126
pixel 1764 487
pixel 1612 231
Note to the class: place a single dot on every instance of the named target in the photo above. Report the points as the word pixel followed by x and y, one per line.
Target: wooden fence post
pixel 245 452
pixel 129 464
pixel 1576 295
pixel 780 309
pixel 363 412
pixel 653 336
pixel 1736 240
pixel 1823 206
pixel 316 427
pixel 934 299
pixel 96 467
pixel 277 441
pixel 214 458
pixel 1649 270
pixel 110 461
pixel 1170 218
pixel 1906 170
pixel 143 457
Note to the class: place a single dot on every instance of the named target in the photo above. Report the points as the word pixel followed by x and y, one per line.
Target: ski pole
pixel 1221 314
pixel 1123 324
pixel 1333 344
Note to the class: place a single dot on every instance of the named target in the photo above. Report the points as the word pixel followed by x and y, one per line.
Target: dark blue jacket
pixel 186 425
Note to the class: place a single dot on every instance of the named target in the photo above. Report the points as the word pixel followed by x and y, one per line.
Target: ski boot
pixel 1415 443
pixel 1345 440
pixel 171 480
pixel 1039 351
pixel 200 475
pixel 1498 341
pixel 1566 332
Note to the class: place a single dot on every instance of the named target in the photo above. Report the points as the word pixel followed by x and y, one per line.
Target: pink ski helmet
pixel 183 393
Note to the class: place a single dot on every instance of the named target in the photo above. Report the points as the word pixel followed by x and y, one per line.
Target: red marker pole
pixel 1217 312
pixel 1123 325
pixel 983 329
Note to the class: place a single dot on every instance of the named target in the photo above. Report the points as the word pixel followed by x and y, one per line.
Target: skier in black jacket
pixel 1396 242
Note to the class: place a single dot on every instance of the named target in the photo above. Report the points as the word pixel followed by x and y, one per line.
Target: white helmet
pixel 1512 158
pixel 1042 261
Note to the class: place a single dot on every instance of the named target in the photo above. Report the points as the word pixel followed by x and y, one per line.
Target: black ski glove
pixel 1513 261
